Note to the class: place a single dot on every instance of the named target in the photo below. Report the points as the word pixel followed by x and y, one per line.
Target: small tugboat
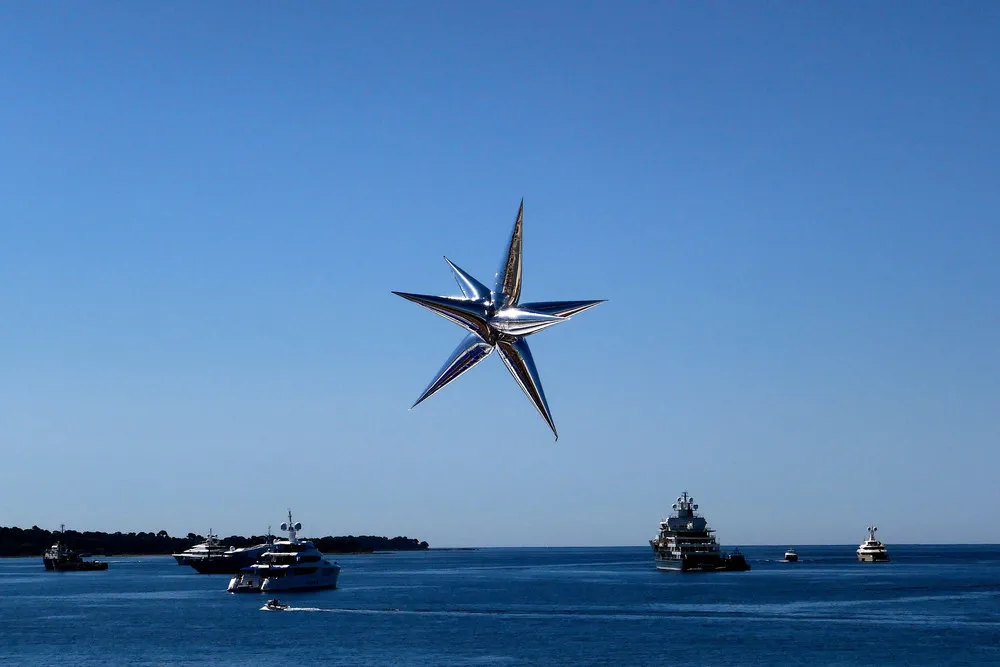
pixel 291 564
pixel 686 543
pixel 275 605
pixel 791 556
pixel 871 550
pixel 61 558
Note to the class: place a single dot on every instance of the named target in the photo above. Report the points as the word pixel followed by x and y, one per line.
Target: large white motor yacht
pixel 871 550
pixel 291 564
pixel 210 547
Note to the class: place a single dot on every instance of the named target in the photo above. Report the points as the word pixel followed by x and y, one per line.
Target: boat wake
pixel 705 612
pixel 340 611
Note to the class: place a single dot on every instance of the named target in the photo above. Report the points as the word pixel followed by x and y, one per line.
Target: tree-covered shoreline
pixel 34 541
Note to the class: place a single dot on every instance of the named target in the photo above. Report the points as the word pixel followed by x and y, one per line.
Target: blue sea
pixel 933 605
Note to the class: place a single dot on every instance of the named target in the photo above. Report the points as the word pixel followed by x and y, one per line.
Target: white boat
pixel 275 605
pixel 287 565
pixel 871 550
pixel 791 556
pixel 210 547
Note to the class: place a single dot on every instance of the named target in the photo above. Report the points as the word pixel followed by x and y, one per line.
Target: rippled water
pixel 935 605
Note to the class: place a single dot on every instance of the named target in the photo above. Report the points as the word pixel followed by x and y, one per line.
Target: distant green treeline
pixel 34 541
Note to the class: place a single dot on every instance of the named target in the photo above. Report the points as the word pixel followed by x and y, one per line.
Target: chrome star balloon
pixel 496 320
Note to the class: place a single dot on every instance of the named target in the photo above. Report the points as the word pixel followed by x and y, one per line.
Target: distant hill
pixel 33 541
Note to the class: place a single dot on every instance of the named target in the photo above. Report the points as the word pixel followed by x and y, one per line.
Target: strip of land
pixel 34 541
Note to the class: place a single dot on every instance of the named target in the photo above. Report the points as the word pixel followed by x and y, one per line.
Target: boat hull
pixel 219 565
pixel 68 561
pixel 251 582
pixel 80 566
pixel 703 563
pixel 228 563
pixel 273 585
pixel 190 559
pixel 874 558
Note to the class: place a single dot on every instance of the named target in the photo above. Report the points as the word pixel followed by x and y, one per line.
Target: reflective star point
pixel 496 320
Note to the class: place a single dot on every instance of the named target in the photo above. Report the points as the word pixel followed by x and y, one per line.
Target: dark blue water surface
pixel 933 605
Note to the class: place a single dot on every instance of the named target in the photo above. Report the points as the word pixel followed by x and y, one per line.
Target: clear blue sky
pixel 792 207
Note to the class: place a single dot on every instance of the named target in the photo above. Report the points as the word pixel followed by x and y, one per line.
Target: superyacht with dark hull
pixel 229 562
pixel 685 543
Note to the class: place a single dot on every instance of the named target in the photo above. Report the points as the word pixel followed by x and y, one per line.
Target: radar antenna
pixel 291 528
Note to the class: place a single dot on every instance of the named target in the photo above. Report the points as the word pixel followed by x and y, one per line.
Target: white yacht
pixel 210 547
pixel 791 556
pixel 291 564
pixel 871 550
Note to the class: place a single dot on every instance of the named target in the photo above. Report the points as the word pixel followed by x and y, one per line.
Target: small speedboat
pixel 791 556
pixel 275 605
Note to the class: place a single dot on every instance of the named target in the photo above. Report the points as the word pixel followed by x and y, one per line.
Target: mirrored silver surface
pixel 495 320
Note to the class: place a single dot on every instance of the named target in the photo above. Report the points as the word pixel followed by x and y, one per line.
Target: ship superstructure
pixel 210 547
